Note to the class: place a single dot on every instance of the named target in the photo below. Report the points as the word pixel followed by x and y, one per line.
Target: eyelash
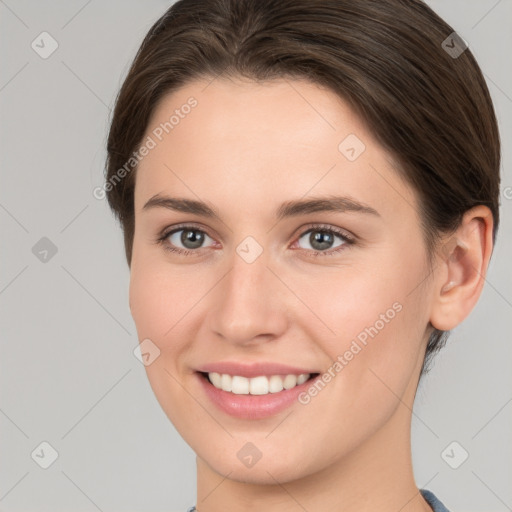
pixel 347 239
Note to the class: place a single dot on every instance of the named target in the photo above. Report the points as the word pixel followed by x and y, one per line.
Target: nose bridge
pixel 248 301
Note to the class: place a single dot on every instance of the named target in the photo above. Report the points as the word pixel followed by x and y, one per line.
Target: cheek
pixel 160 298
pixel 169 305
pixel 373 356
pixel 377 316
pixel 352 301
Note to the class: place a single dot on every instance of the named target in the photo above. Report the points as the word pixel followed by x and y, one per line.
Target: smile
pixel 254 391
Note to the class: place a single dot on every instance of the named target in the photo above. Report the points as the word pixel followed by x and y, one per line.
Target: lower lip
pixel 252 407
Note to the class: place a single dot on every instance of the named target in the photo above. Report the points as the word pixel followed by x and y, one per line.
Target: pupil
pixel 320 240
pixel 192 239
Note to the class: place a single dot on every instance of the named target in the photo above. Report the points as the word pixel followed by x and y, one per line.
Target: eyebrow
pixel 287 209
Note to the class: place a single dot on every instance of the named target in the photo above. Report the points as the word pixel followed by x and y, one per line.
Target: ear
pixel 461 269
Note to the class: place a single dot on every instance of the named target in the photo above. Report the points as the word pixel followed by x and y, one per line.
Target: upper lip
pixel 252 369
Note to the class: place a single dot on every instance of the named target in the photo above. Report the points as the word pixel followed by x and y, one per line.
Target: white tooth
pixel 215 379
pixel 240 385
pixel 303 377
pixel 290 381
pixel 258 386
pixel 261 385
pixel 226 382
pixel 275 384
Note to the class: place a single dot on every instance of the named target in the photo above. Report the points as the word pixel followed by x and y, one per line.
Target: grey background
pixel 68 375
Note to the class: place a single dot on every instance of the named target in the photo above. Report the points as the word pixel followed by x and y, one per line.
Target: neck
pixel 378 475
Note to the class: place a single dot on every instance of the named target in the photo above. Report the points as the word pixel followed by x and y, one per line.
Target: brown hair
pixel 427 105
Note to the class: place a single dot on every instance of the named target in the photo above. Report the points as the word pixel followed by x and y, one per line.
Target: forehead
pixel 262 141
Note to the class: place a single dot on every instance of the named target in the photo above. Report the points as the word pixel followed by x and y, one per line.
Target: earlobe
pixel 461 269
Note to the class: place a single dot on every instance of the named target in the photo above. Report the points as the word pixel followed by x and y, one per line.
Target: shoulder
pixel 432 500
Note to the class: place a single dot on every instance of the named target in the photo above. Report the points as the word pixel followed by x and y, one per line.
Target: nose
pixel 248 304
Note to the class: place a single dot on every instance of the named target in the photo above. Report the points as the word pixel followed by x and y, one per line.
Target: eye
pixel 185 240
pixel 324 240
pixel 318 240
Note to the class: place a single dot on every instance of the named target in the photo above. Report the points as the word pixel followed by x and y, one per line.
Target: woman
pixel 309 198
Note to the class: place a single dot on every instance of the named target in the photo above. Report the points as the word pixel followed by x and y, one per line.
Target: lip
pixel 254 407
pixel 250 370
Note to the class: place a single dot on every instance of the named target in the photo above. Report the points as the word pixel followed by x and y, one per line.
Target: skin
pixel 245 149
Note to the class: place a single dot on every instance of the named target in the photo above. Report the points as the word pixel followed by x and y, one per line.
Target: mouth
pixel 254 397
pixel 260 385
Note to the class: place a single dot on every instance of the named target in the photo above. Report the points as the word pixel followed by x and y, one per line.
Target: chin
pixel 264 472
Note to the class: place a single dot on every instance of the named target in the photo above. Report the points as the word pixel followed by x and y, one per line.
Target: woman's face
pixel 289 246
